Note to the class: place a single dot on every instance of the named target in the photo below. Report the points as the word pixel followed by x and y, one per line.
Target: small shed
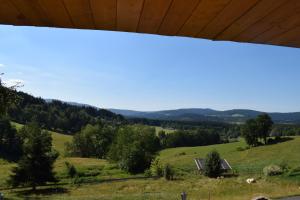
pixel 200 163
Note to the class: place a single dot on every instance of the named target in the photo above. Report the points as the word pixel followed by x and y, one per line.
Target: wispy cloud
pixel 13 82
pixel 2 65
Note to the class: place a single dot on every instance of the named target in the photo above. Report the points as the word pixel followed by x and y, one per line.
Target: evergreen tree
pixel 10 141
pixel 212 166
pixel 36 165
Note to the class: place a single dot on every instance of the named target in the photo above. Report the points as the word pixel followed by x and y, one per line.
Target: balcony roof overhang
pixel 275 22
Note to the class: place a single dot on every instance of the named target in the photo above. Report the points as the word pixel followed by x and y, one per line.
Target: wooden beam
pixel 80 13
pixel 152 15
pixel 272 19
pixel 289 38
pixel 32 11
pixel 204 13
pixel 128 14
pixel 177 15
pixel 60 17
pixel 9 14
pixel 233 11
pixel 262 9
pixel 105 13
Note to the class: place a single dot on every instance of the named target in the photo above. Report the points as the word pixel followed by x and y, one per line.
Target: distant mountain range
pixel 199 114
pixel 202 114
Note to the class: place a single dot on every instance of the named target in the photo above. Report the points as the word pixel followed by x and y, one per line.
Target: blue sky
pixel 148 72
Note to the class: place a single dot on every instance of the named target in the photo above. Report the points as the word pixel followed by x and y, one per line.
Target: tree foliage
pixel 255 129
pixel 58 116
pixel 7 97
pixel 265 123
pixel 212 166
pixel 92 141
pixel 10 141
pixel 134 148
pixel 36 164
pixel 183 138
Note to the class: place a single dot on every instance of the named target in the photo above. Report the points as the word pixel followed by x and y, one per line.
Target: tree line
pixel 56 115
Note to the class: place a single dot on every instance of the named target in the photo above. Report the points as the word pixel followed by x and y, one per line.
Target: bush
pixel 148 173
pixel 212 166
pixel 168 172
pixel 71 170
pixel 272 170
pixel 156 168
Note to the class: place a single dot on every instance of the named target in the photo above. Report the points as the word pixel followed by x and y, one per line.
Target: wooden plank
pixel 9 14
pixel 56 13
pixel 234 10
pixel 32 10
pixel 152 15
pixel 280 28
pixel 104 12
pixel 262 9
pixel 273 19
pixel 80 12
pixel 178 14
pixel 290 38
pixel 128 14
pixel 204 13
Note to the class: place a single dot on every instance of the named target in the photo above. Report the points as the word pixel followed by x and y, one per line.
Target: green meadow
pixel 102 180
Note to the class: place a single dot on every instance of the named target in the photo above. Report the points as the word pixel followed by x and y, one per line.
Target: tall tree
pixel 36 165
pixel 134 148
pixel 265 124
pixel 10 141
pixel 250 131
pixel 7 96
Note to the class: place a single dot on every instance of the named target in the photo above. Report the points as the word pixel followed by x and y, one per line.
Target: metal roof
pixel 200 163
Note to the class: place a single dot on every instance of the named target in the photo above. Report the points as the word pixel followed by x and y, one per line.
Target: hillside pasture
pixel 100 179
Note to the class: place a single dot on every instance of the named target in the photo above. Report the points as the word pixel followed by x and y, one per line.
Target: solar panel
pixel 200 163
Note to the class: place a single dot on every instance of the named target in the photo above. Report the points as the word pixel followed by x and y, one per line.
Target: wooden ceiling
pixel 274 22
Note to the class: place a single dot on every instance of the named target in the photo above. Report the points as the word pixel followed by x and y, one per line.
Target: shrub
pixel 212 166
pixel 156 168
pixel 272 170
pixel 168 172
pixel 71 170
pixel 148 173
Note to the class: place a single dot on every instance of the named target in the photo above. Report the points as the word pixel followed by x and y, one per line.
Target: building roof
pixel 200 163
pixel 275 22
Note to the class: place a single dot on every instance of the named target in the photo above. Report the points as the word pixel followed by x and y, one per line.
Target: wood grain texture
pixel 177 15
pixel 60 17
pixel 234 10
pixel 258 12
pixel 128 14
pixel 105 13
pixel 80 13
pixel 256 21
pixel 206 11
pixel 152 15
pixel 274 18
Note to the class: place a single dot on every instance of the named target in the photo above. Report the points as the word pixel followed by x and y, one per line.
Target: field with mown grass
pixel 101 180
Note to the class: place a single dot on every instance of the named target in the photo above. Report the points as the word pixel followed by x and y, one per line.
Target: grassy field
pixel 102 175
pixel 166 130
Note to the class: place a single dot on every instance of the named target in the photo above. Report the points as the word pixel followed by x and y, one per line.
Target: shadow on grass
pixel 42 191
pixel 272 141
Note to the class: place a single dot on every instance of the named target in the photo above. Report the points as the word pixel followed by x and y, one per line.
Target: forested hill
pixel 57 115
pixel 199 114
